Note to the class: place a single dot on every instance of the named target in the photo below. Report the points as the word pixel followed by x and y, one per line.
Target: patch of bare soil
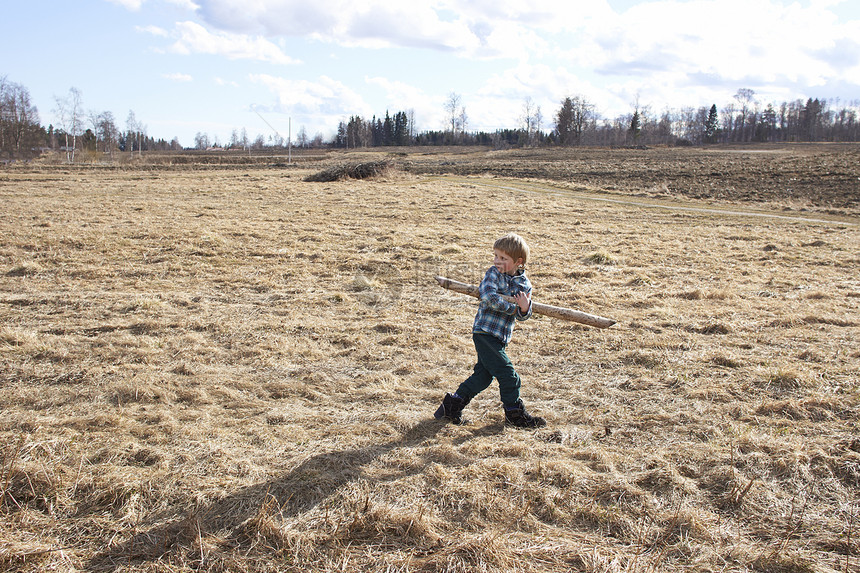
pixel 820 178
pixel 232 369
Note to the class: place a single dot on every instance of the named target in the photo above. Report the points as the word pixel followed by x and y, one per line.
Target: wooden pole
pixel 537 308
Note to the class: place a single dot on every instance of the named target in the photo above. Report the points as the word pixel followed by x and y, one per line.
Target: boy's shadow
pixel 302 489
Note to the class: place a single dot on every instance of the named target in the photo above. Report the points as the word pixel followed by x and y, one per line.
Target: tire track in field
pixel 689 207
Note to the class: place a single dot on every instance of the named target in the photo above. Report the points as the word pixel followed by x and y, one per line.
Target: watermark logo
pixel 383 284
pixel 378 283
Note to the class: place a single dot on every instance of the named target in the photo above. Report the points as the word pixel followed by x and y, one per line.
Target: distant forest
pixel 576 122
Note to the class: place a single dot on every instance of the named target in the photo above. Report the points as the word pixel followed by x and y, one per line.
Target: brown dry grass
pixel 235 370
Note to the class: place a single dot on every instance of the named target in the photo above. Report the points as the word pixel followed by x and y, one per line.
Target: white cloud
pixel 133 5
pixel 153 30
pixel 533 81
pixel 136 5
pixel 223 82
pixel 351 23
pixel 731 39
pixel 474 28
pixel 195 39
pixel 671 48
pixel 414 25
pixel 499 102
pixel 510 40
pixel 666 52
pixel 400 96
pixel 186 4
pixel 177 77
pixel 816 4
pixel 493 109
pixel 545 16
pixel 317 103
pixel 719 41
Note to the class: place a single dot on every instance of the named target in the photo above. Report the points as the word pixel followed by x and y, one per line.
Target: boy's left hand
pixel 524 300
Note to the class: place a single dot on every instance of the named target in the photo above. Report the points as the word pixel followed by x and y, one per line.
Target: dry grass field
pixel 226 368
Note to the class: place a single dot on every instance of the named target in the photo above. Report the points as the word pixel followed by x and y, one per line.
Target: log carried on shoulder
pixel 537 308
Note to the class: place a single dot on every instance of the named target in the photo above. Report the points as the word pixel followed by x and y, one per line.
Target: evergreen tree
pixel 387 130
pixel 712 126
pixel 766 126
pixel 401 129
pixel 340 138
pixel 356 132
pixel 635 129
pixel 812 116
pixel 564 122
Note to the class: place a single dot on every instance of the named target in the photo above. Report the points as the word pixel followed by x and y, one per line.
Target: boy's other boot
pixel 517 416
pixel 452 408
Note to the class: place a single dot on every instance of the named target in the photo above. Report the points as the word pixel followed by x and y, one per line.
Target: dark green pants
pixel 493 362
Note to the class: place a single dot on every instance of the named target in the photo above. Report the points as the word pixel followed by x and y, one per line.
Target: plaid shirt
pixel 497 316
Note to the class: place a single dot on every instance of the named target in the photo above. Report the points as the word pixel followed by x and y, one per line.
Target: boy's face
pixel 506 263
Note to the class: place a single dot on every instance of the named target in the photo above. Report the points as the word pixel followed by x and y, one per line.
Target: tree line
pixel 78 130
pixel 577 122
pixel 743 119
pixel 358 132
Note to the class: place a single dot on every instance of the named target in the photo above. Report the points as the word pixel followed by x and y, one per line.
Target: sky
pixel 185 67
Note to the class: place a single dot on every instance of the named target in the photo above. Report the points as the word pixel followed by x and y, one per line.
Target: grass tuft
pixel 786 379
pixel 600 258
pixel 25 270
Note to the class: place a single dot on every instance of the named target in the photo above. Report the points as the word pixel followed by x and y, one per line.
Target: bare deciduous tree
pixel 106 130
pixel 531 120
pixel 70 112
pixel 727 120
pixel 135 131
pixel 201 140
pixel 452 105
pixel 19 119
pixel 410 121
pixel 93 117
pixel 527 118
pixel 457 114
pixel 745 97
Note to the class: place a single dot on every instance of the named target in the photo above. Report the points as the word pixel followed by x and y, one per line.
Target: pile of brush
pixel 365 170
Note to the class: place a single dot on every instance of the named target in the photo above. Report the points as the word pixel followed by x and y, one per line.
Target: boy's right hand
pixel 524 300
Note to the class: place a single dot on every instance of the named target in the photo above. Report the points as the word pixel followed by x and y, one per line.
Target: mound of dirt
pixel 365 170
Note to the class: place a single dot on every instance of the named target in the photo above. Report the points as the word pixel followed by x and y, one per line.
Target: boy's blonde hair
pixel 513 245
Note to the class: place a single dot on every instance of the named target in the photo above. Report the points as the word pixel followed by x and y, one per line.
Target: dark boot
pixel 517 416
pixel 452 408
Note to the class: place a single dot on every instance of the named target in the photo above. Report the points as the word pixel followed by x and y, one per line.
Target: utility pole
pixel 289 133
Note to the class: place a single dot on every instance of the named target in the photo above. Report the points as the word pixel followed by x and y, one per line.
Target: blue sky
pixel 203 66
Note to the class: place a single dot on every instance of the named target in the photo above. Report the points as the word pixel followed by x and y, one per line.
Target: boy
pixel 491 333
